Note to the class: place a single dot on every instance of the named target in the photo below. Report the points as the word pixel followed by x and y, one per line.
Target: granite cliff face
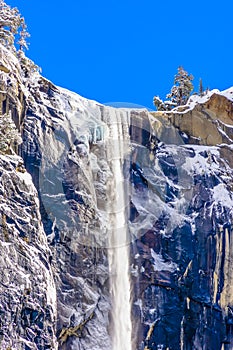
pixel 206 121
pixel 27 288
pixel 178 200
pixel 183 295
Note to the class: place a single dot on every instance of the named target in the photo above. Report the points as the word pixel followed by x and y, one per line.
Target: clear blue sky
pixel 129 50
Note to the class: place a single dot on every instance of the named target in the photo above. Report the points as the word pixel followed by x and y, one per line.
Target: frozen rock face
pixel 58 135
pixel 178 204
pixel 182 279
pixel 27 288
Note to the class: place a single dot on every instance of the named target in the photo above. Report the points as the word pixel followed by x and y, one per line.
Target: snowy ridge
pixel 195 100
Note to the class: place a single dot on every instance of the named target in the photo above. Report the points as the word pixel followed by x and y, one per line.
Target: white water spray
pixel 118 233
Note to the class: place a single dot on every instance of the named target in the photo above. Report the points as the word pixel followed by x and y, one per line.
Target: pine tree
pixel 11 25
pixel 23 37
pixel 14 35
pixel 9 135
pixel 182 88
pixel 201 91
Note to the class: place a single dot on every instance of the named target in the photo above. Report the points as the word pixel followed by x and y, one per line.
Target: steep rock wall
pixel 27 288
pixel 182 295
pixel 12 86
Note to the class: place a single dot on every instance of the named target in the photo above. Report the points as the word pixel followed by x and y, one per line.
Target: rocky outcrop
pixel 206 120
pixel 12 87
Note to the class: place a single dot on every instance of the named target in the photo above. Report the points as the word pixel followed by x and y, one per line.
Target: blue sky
pixel 129 50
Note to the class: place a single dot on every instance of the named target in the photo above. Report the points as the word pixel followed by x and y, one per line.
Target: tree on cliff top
pixel 180 92
pixel 14 34
pixel 182 88
pixel 12 26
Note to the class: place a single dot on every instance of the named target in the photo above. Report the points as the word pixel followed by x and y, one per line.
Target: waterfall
pixel 118 251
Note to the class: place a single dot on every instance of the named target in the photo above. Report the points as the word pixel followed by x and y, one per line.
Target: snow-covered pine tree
pixel 10 23
pixel 14 34
pixel 182 88
pixel 22 42
pixel 9 135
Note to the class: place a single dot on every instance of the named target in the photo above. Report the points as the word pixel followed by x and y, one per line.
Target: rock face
pixel 178 202
pixel 12 87
pixel 182 294
pixel 27 288
pixel 207 120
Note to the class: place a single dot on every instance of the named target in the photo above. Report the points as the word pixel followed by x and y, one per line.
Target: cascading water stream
pixel 118 252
